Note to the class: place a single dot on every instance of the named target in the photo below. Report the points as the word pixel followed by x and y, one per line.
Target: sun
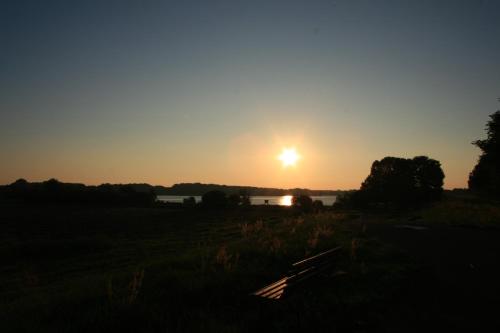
pixel 289 157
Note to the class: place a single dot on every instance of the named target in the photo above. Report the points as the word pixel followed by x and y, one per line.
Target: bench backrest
pixel 301 270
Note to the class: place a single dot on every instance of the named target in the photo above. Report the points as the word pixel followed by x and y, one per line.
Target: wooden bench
pixel 300 272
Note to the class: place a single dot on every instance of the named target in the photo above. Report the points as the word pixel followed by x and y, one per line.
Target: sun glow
pixel 289 157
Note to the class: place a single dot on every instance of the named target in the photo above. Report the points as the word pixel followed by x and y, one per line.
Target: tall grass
pixel 463 212
pixel 165 271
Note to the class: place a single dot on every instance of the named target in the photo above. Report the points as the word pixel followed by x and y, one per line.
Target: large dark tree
pixel 485 177
pixel 402 181
pixel 428 178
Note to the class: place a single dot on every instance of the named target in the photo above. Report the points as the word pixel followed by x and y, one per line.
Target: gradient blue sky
pixel 211 91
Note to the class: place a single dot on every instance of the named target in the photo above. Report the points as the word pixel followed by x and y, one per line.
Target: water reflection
pixel 286 200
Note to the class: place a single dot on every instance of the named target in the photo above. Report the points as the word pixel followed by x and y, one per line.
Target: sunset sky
pixel 212 91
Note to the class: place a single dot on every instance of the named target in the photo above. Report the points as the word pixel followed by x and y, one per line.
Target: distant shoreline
pixel 200 189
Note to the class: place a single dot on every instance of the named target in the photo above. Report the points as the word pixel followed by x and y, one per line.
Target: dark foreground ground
pixel 459 284
pixel 82 269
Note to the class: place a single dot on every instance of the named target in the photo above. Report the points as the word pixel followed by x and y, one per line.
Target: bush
pixel 234 200
pixel 302 202
pixel 317 205
pixel 214 199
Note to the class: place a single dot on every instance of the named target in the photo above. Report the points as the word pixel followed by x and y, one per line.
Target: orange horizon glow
pixel 246 159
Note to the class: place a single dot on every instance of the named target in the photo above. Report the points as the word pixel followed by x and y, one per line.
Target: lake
pixel 283 200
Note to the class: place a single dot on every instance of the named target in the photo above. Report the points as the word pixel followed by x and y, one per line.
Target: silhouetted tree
pixel 21 182
pixel 52 184
pixel 401 181
pixel 54 190
pixel 485 177
pixel 302 202
pixel 214 199
pixel 238 199
pixel 20 185
pixel 428 178
pixel 390 179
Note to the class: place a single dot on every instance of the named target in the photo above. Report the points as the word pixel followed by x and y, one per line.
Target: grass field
pixel 76 269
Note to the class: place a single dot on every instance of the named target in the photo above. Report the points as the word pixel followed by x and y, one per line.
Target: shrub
pixel 214 199
pixel 317 205
pixel 234 200
pixel 302 202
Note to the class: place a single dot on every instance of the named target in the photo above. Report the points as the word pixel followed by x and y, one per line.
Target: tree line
pixel 54 191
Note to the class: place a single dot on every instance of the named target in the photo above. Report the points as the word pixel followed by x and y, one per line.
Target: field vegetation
pixel 74 268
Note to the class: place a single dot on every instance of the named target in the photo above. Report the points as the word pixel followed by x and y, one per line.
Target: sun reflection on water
pixel 286 200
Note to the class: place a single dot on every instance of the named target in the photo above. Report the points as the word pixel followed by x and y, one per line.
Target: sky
pixel 165 92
